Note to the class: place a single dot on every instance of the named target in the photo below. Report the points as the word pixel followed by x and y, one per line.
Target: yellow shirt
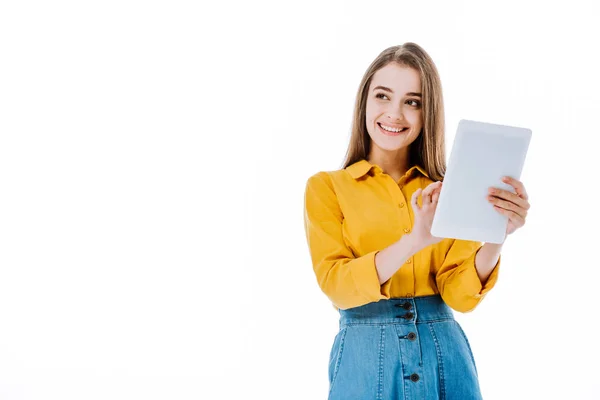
pixel 352 213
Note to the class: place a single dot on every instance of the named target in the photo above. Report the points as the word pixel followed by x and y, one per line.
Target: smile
pixel 389 131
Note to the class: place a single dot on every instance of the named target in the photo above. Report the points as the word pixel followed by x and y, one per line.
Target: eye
pixel 418 104
pixel 379 95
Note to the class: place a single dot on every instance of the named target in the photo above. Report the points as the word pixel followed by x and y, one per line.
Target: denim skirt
pixel 402 348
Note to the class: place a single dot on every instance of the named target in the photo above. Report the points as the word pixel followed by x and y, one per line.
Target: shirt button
pixel 414 377
pixel 401 205
pixel 412 336
pixel 409 261
pixel 406 230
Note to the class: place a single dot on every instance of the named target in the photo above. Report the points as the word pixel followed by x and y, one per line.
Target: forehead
pixel 398 78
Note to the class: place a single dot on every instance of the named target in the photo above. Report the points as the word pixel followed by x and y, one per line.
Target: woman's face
pixel 394 101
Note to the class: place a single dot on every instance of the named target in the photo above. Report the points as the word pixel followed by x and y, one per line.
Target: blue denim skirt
pixel 402 348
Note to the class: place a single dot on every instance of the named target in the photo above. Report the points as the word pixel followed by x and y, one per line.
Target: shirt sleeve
pixel 457 279
pixel 348 281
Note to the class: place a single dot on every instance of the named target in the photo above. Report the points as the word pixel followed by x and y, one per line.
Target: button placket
pixel 407 306
pixel 406 230
pixel 409 345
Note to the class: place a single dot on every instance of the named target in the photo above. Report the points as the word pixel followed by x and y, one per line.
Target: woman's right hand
pixel 421 231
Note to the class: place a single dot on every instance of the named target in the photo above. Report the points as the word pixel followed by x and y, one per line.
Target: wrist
pixel 413 243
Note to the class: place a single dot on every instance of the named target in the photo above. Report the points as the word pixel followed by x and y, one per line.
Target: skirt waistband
pixel 405 310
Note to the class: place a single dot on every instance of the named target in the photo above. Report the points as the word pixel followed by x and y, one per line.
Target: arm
pixel 459 280
pixel 348 281
pixel 390 259
pixel 486 260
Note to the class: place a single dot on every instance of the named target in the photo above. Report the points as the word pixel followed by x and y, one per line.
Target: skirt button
pixel 414 377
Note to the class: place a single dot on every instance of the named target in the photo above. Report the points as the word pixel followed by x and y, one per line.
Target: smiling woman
pixel 393 111
pixel 393 283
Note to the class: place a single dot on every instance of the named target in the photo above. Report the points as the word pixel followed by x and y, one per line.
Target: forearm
pixel 486 259
pixel 390 259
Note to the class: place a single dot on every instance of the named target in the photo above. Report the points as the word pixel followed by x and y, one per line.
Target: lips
pixel 388 133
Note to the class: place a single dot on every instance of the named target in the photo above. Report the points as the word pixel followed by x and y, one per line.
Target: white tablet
pixel 481 155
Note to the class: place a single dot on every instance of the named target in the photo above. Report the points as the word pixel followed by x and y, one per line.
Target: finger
pixel 431 187
pixel 429 190
pixel 518 185
pixel 414 199
pixel 437 192
pixel 508 206
pixel 516 219
pixel 438 189
pixel 426 198
pixel 510 196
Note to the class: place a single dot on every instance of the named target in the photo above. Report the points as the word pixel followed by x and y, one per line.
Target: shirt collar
pixel 362 167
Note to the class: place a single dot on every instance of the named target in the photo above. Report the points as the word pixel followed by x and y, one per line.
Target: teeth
pixel 387 128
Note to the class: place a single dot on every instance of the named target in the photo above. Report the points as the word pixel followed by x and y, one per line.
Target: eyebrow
pixel 387 89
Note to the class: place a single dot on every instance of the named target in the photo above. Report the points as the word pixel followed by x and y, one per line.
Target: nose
pixel 396 116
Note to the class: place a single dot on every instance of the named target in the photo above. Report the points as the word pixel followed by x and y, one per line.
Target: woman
pixel 395 284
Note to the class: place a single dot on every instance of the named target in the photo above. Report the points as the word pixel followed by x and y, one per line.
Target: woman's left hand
pixel 514 206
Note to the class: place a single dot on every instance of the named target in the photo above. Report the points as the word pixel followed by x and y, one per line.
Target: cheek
pixel 414 118
pixel 369 117
pixel 373 111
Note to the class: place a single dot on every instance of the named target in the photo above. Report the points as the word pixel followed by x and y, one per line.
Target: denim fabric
pixel 402 348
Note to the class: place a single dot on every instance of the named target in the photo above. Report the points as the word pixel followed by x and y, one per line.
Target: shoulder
pixel 326 179
pixel 329 187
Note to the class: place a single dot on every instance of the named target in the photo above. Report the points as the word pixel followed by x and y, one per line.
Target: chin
pixel 389 146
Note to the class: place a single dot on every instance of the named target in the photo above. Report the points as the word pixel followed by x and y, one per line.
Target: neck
pixel 394 164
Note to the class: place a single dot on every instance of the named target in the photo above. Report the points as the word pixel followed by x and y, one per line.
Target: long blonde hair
pixel 428 150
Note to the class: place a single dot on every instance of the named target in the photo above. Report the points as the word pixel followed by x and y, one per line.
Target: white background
pixel 153 159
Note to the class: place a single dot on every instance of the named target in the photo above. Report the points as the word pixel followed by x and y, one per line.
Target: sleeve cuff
pixel 470 278
pixel 366 280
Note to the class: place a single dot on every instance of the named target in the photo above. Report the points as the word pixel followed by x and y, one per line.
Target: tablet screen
pixel 482 153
